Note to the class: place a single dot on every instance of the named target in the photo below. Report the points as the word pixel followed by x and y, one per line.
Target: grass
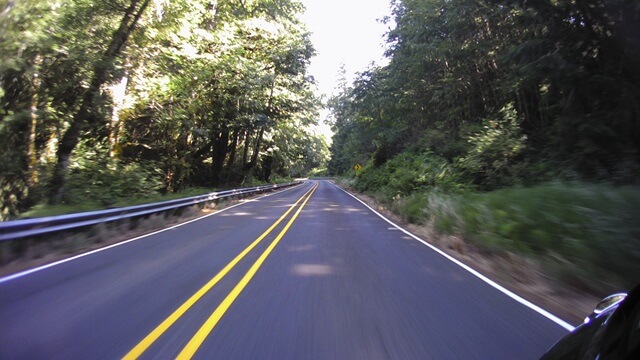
pixel 16 255
pixel 586 235
pixel 42 210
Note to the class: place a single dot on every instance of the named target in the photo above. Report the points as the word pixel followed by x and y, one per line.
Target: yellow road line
pixel 190 349
pixel 160 329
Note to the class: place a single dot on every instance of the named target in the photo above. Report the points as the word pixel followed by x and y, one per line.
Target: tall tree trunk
pixel 32 158
pixel 219 155
pixel 85 114
pixel 268 166
pixel 119 93
pixel 245 151
pixel 256 150
pixel 233 147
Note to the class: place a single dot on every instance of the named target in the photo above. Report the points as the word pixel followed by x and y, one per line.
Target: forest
pixel 509 91
pixel 103 100
pixel 515 123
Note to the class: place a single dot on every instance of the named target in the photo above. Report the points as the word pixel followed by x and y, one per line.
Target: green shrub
pixel 278 179
pixel 407 173
pixel 436 206
pixel 412 208
pixel 594 228
pixel 95 178
pixel 494 156
pixel 584 234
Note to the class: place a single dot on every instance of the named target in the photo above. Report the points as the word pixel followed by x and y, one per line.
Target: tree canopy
pixel 502 92
pixel 158 94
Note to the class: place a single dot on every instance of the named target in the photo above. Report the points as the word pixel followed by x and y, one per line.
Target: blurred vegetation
pixel 42 210
pixel 407 173
pixel 587 235
pixel 513 123
pixel 96 178
pixel 511 92
pixel 104 100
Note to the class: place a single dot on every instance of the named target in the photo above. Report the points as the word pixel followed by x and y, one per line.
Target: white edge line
pixel 58 262
pixel 512 295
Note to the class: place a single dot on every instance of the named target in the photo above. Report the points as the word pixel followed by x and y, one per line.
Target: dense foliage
pixel 514 124
pixel 101 99
pixel 585 235
pixel 508 92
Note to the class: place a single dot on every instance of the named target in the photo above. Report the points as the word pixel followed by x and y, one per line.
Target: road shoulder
pixel 516 273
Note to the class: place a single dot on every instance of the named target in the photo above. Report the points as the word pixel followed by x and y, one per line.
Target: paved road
pixel 332 280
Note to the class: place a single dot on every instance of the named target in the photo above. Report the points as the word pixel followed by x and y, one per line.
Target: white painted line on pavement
pixel 512 295
pixel 46 266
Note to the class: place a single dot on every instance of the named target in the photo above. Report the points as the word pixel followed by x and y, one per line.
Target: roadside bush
pixel 408 173
pixel 412 208
pixel 493 158
pixel 96 178
pixel 583 234
pixel 279 179
pixel 436 206
pixel 589 233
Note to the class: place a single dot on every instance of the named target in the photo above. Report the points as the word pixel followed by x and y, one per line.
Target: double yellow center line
pixel 192 346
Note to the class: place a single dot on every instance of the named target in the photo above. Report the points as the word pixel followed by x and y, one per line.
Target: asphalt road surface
pixel 305 273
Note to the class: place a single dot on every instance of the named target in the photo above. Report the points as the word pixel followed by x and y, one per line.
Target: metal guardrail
pixel 16 229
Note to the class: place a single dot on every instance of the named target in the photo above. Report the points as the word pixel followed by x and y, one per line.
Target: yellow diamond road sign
pixel 357 167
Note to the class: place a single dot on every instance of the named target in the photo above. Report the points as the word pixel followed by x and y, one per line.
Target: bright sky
pixel 344 31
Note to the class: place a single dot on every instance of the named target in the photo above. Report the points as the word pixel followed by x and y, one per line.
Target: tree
pixel 234 78
pixel 86 116
pixel 565 66
pixel 23 41
pixel 202 91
